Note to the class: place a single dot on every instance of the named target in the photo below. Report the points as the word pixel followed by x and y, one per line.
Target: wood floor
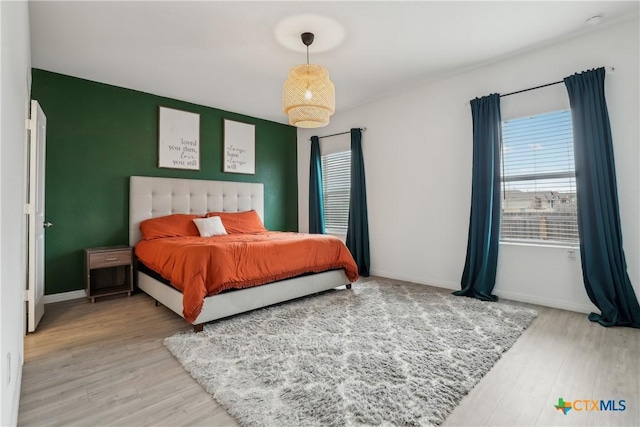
pixel 105 364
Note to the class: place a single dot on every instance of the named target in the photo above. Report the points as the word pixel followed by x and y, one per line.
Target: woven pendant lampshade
pixel 308 96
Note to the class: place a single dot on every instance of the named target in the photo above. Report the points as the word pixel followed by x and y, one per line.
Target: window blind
pixel 538 180
pixel 336 187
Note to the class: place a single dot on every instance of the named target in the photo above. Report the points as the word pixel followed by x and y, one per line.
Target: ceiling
pixel 226 54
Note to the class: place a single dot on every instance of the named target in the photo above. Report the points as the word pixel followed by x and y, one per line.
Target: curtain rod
pixel 608 70
pixel 336 134
pixel 531 88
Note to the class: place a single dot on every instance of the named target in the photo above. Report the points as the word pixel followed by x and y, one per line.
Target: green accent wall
pixel 99 135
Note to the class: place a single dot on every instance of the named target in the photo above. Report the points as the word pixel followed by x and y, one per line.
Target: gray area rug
pixel 381 354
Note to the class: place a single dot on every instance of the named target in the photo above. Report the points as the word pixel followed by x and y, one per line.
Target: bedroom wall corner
pixel 304 153
pixel 99 135
pixel 15 87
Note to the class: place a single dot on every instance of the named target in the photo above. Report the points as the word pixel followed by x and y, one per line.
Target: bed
pixel 152 197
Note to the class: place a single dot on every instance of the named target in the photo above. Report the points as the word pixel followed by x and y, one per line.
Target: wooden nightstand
pixel 108 271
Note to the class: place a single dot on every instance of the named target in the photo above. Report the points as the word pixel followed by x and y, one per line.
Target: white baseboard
pixel 415 279
pixel 513 296
pixel 64 296
pixel 546 302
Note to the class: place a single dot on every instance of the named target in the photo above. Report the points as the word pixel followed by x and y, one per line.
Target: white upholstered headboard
pixel 153 197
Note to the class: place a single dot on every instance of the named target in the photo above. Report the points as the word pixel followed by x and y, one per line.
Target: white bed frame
pixel 151 197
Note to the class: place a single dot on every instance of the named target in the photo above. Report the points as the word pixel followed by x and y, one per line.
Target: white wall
pixel 418 156
pixel 15 88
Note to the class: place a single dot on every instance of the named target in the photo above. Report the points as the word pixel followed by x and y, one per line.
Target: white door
pixel 35 211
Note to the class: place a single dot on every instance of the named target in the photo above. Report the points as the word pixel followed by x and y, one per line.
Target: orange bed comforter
pixel 205 266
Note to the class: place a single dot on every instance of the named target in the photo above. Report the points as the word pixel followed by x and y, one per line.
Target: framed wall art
pixel 179 139
pixel 239 147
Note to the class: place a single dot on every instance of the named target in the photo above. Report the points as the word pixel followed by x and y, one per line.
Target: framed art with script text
pixel 239 147
pixel 179 139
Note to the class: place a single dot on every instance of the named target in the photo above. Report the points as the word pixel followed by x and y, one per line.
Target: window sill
pixel 542 245
pixel 341 236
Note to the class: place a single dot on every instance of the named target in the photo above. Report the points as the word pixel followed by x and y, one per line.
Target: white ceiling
pixel 225 54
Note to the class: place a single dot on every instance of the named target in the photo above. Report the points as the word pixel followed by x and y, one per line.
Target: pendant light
pixel 308 96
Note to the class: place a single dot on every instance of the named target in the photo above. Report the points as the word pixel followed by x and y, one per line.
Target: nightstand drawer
pixel 110 259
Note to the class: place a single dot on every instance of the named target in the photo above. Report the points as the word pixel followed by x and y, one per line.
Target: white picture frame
pixel 239 147
pixel 178 139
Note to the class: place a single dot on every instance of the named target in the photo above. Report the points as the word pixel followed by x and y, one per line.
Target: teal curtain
pixel 358 227
pixel 316 208
pixel 603 263
pixel 479 275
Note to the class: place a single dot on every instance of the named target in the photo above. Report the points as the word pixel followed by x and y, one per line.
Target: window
pixel 539 180
pixel 336 187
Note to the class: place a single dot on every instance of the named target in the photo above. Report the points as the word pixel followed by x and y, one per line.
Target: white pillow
pixel 211 226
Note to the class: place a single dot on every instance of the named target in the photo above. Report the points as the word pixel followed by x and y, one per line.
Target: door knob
pixel 47 224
